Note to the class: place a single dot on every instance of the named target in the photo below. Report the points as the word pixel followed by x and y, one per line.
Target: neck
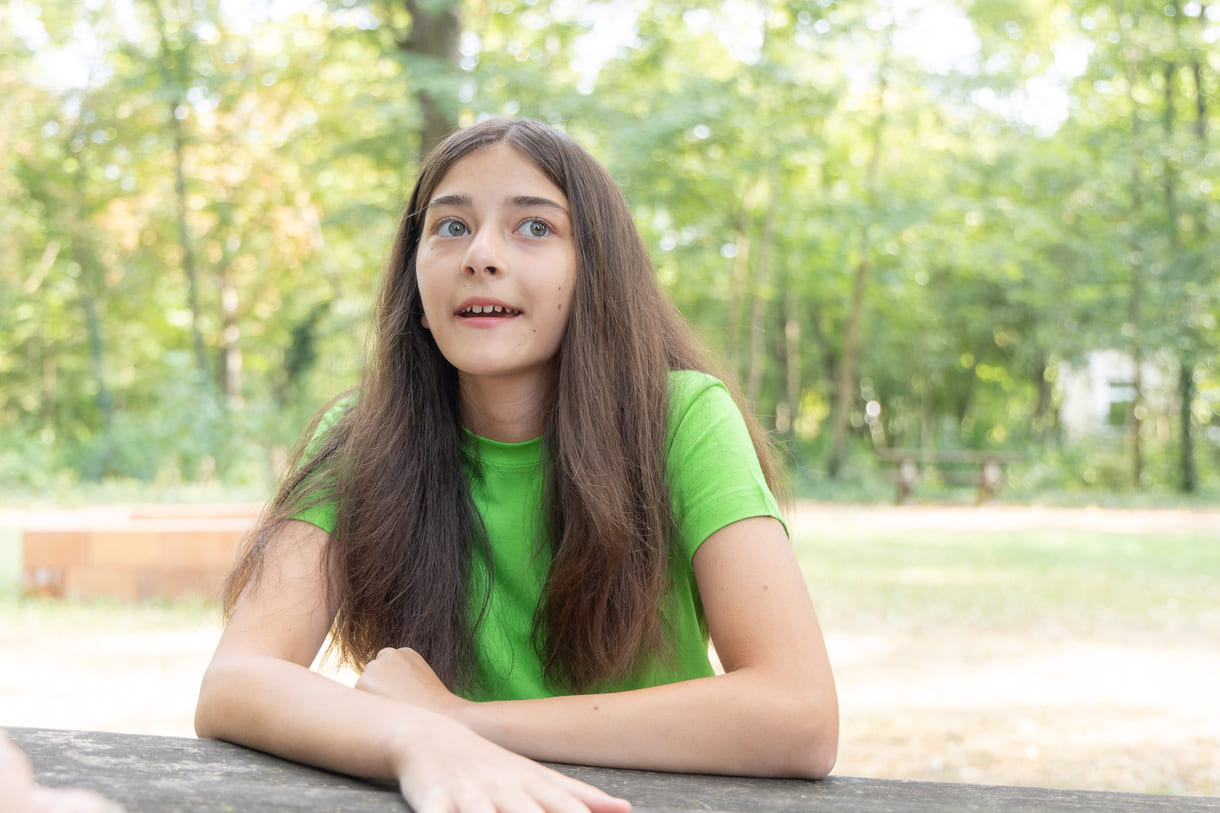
pixel 505 409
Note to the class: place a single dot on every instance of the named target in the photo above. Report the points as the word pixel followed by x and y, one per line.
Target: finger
pixel 433 800
pixel 474 800
pixel 595 799
pixel 552 798
pixel 16 777
pixel 413 659
pixel 48 800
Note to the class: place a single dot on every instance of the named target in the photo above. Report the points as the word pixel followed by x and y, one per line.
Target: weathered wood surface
pixel 177 775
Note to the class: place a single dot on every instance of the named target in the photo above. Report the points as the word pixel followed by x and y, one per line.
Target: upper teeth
pixel 488 309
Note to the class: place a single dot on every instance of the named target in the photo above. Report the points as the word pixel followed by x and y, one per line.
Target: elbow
pixel 816 745
pixel 810 724
pixel 819 758
pixel 204 708
pixel 209 707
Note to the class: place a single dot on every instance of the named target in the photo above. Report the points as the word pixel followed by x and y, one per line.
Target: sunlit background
pixel 927 225
pixel 938 230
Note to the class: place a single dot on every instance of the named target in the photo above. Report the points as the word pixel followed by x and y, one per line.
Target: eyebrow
pixel 450 200
pixel 527 201
pixel 524 201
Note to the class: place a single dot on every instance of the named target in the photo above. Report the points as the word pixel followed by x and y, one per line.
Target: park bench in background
pixel 982 469
pixel 132 552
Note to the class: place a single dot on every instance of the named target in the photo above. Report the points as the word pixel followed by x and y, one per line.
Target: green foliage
pixel 196 206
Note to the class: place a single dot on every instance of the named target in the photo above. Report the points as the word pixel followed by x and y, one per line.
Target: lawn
pixel 1070 648
pixel 1056 647
pixel 1019 580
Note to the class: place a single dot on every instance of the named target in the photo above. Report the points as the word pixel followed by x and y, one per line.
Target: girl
pixel 525 523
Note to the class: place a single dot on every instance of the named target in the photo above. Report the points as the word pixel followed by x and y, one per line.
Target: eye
pixel 535 227
pixel 449 227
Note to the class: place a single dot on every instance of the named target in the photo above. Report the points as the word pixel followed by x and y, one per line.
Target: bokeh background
pixel 948 226
pixel 943 224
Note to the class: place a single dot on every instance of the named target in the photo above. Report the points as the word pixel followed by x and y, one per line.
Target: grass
pixel 1016 580
pixel 1008 579
pixel 10 563
pixel 1057 657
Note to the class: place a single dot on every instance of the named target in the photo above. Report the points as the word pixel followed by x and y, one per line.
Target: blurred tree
pixel 894 222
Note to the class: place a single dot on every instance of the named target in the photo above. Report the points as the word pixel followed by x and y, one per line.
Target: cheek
pixel 428 293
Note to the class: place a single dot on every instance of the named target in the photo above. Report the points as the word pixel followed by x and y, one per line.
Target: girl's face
pixel 496 266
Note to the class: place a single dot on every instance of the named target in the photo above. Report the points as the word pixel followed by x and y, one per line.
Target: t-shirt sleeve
pixel 322 514
pixel 714 473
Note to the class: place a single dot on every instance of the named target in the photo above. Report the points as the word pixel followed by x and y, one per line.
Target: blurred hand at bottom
pixel 19 793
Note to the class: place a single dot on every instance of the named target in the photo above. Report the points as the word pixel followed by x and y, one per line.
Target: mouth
pixel 487 310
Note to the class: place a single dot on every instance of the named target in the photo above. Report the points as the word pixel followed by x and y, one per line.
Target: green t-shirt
pixel 715 479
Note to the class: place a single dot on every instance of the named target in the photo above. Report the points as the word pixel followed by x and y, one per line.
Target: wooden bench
pixel 982 469
pixel 132 553
pixel 148 774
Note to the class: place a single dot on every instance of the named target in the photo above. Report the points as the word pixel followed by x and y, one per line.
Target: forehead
pixel 496 172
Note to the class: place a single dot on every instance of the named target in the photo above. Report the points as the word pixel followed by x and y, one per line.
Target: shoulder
pixel 324 423
pixel 703 411
pixel 699 400
pixel 686 387
pixel 714 472
pixel 337 408
pixel 332 413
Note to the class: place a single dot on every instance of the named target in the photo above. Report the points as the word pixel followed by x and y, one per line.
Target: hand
pixel 72 800
pixel 453 770
pixel 404 675
pixel 19 794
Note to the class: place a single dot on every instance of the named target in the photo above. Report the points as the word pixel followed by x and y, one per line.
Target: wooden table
pixel 150 774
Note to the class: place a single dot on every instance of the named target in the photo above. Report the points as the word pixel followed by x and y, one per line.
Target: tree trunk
pixel 1186 373
pixel 184 241
pixel 1186 395
pixel 1187 469
pixel 97 341
pixel 92 292
pixel 845 386
pixel 846 378
pixel 737 288
pixel 785 419
pixel 168 62
pixel 1134 422
pixel 435 40
pixel 230 342
pixel 1040 419
pixel 763 276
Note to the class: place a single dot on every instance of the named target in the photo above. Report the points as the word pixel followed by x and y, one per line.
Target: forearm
pixel 288 710
pixel 740 723
pixel 285 709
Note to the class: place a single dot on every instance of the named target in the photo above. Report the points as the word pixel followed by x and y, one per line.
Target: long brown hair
pixel 407 531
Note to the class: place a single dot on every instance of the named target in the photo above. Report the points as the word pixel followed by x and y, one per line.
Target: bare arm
pixel 259 691
pixel 774 712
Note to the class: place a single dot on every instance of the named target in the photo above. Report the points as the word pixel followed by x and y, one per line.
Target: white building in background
pixel 1097 395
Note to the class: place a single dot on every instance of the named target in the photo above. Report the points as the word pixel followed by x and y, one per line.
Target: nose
pixel 484 254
